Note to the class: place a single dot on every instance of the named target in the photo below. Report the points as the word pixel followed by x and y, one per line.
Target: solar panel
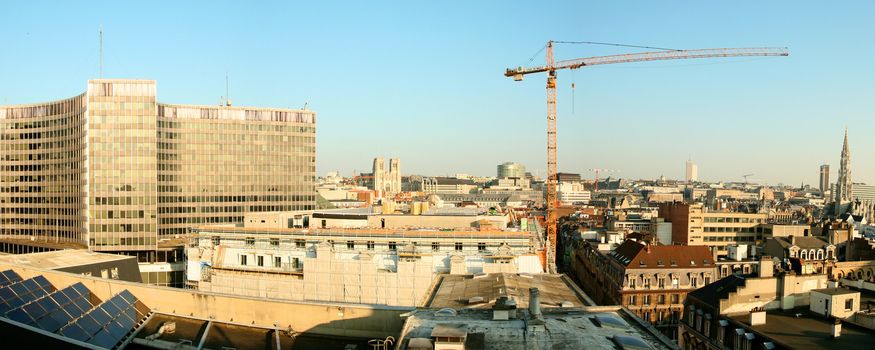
pixel 54 310
pixel 8 277
pixel 109 322
pixel 23 292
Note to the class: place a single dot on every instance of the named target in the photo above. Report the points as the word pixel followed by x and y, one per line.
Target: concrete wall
pixel 321 318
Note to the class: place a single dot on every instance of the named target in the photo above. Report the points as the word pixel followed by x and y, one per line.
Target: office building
pixel 692 171
pixel 824 178
pixel 116 171
pixel 511 169
pixel 692 224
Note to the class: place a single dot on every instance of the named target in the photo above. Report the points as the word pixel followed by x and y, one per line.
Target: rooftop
pixel 808 331
pixel 345 232
pixel 600 327
pixel 804 242
pixel 61 258
pixel 835 291
pixel 636 255
pixel 455 291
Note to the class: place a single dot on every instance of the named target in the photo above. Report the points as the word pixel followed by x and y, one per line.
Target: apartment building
pixel 650 280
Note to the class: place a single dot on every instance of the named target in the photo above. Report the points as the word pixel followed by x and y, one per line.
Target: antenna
pixel 227 89
pixel 100 61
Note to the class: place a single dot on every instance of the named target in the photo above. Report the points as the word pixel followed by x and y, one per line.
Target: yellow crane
pixel 552 66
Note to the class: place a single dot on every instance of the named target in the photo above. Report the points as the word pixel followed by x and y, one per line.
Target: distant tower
pixel 387 180
pixel 511 169
pixel 379 173
pixel 844 193
pixel 692 171
pixel 393 178
pixel 824 178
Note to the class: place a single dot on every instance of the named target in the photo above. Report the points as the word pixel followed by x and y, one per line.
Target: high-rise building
pixel 511 169
pixel 844 193
pixel 692 171
pixel 824 178
pixel 388 181
pixel 114 170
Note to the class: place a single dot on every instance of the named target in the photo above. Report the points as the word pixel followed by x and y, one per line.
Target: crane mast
pixel 551 66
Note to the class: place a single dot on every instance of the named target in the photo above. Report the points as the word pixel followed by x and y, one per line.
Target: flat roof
pixel 835 291
pixel 577 328
pixel 61 258
pixel 809 331
pixel 347 232
pixel 454 291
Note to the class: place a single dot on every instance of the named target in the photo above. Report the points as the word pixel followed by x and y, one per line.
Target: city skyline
pixel 388 82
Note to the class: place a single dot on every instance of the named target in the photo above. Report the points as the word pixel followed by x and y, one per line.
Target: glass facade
pixel 116 170
pixel 42 172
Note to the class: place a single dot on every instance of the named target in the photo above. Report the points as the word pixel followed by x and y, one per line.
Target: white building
pixel 570 193
pixel 368 266
pixel 692 171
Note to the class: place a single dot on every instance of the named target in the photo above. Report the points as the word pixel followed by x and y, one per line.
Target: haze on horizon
pixel 423 82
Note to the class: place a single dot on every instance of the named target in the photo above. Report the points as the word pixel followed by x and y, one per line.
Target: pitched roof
pixel 803 242
pixel 636 255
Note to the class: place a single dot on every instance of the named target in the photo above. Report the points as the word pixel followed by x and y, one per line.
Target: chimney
pixel 837 328
pixel 535 304
pixel 792 240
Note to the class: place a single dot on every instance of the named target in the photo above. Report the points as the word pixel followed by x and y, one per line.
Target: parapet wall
pixel 332 319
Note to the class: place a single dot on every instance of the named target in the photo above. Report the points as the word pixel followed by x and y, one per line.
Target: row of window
pixel 647 299
pixel 351 245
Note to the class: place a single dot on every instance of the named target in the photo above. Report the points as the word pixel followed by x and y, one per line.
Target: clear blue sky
pixel 424 82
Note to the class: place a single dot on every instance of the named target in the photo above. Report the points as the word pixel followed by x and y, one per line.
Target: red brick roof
pixel 636 255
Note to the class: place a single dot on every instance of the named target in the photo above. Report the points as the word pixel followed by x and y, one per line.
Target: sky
pixel 423 81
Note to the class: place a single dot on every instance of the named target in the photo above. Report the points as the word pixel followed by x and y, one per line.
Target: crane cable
pixel 615 44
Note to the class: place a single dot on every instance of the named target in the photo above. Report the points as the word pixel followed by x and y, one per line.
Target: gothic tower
pixel 844 193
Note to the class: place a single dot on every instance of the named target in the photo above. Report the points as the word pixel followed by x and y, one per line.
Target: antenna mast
pixel 100 64
pixel 227 88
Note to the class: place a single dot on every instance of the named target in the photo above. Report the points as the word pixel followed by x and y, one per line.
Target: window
pixel 260 260
pixel 675 283
pixel 646 282
pixel 300 243
pixel 660 282
pixel 632 283
pixel 458 246
pixel 661 299
pixel 694 282
pixel 393 246
pixel 217 241
pixel 370 245
pixel 243 260
pixel 250 241
pixel 481 246
pixel 647 299
pixel 114 274
pixel 435 246
pixel 707 280
pixel 632 300
pixel 275 242
pixel 675 298
pixel 849 304
pixel 350 244
pixel 277 261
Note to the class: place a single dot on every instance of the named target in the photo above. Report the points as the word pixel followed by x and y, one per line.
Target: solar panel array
pixel 19 293
pixel 109 322
pixel 8 277
pixel 55 310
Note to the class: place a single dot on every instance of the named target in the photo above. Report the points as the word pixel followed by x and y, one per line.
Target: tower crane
pixel 597 171
pixel 552 66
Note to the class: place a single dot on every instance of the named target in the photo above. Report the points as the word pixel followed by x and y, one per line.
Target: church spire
pixel 844 187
